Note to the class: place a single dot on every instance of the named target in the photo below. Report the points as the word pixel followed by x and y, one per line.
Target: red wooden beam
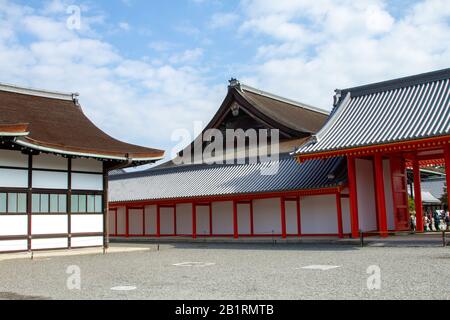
pixel 418 196
pixel 380 195
pixel 447 172
pixel 353 197
pixel 194 220
pixel 339 215
pixel 235 221
pixel 283 218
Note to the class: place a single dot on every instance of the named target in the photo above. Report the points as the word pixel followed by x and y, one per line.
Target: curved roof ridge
pixel 38 92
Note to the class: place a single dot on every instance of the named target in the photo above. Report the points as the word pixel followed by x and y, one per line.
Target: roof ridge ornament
pixel 337 97
pixel 234 83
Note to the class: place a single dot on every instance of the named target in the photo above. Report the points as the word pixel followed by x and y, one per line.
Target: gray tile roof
pixel 196 181
pixel 393 111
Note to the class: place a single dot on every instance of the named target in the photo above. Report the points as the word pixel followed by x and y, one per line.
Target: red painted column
pixel 235 220
pixel 339 215
pixel 127 221
pixel 447 171
pixel 194 221
pixel 158 221
pixel 418 196
pixel 299 217
pixel 353 196
pixel 380 195
pixel 283 218
pixel 252 224
pixel 210 220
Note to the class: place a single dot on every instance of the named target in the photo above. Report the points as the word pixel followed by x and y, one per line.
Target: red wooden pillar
pixel 252 224
pixel 299 217
pixel 210 220
pixel 158 221
pixel 194 221
pixel 283 218
pixel 353 196
pixel 380 195
pixel 339 215
pixel 418 196
pixel 447 171
pixel 127 221
pixel 235 220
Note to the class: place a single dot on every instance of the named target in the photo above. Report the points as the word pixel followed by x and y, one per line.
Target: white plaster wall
pixel 388 194
pixel 13 225
pixel 10 178
pixel 49 224
pixel 243 211
pixel 112 222
pixel 346 222
pixel 202 220
pixel 319 214
pixel 167 221
pixel 9 158
pixel 86 242
pixel 184 218
pixel 291 217
pixel 48 161
pixel 56 243
pixel 366 195
pixel 82 223
pixel 87 181
pixel 222 213
pixel 13 245
pixel 88 165
pixel 267 216
pixel 135 221
pixel 49 180
pixel 121 220
pixel 150 220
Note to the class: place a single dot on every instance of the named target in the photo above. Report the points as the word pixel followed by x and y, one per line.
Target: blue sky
pixel 147 68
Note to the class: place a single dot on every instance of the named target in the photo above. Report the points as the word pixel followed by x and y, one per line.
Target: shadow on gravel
pixel 16 296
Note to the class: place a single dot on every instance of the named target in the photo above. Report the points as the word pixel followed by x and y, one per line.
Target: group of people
pixel 437 220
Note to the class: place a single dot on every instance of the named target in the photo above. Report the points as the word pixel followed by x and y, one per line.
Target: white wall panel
pixel 222 213
pixel 167 221
pixel 112 222
pixel 366 195
pixel 184 218
pixel 87 181
pixel 121 220
pixel 10 158
pixel 346 221
pixel 243 211
pixel 49 224
pixel 89 165
pixel 48 161
pixel 13 225
pixel 150 220
pixel 291 217
pixel 49 180
pixel 267 216
pixel 388 195
pixel 78 242
pixel 82 223
pixel 56 243
pixel 136 221
pixel 319 214
pixel 10 178
pixel 203 220
pixel 13 245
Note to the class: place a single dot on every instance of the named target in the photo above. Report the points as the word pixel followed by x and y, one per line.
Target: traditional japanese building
pixel 53 171
pixel 382 129
pixel 237 199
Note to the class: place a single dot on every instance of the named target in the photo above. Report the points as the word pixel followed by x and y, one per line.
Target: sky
pixel 147 68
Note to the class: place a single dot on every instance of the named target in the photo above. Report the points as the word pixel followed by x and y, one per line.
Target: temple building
pixel 238 198
pixel 382 129
pixel 54 164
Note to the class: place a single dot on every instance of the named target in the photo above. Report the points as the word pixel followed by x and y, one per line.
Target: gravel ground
pixel 235 271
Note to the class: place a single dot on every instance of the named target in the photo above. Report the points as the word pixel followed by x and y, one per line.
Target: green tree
pixel 444 198
pixel 412 205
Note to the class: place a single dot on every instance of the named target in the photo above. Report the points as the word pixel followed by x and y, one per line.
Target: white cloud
pixel 223 20
pixel 187 56
pixel 312 47
pixel 124 26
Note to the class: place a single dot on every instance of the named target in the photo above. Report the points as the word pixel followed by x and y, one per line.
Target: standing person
pixel 413 223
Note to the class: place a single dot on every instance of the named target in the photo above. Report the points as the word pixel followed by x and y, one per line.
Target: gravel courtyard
pixel 235 271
